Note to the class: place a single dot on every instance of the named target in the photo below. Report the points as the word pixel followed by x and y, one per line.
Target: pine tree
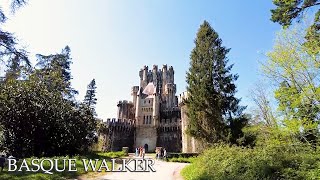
pixel 211 104
pixel 90 97
pixel 58 65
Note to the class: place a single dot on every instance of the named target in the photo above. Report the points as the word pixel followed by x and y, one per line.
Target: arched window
pixel 144 119
pixel 150 119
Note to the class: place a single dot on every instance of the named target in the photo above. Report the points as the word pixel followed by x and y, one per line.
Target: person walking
pixel 137 152
pixel 164 154
pixel 140 151
pixel 161 152
pixel 157 153
pixel 143 152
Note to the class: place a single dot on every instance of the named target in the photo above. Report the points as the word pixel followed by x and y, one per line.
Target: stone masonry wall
pixel 169 130
pixel 146 135
pixel 119 134
pixel 169 138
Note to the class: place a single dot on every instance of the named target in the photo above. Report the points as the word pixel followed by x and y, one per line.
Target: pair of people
pixel 140 152
pixel 161 152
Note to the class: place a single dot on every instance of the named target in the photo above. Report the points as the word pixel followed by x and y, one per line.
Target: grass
pixel 40 175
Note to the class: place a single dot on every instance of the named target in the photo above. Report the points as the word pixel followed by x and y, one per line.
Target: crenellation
pixel 182 97
pixel 119 122
pixel 153 117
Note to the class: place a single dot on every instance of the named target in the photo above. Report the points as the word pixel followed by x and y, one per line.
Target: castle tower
pixel 144 81
pixel 164 77
pixel 164 95
pixel 171 75
pixel 134 94
pixel 155 112
pixel 138 107
pixel 189 143
pixel 155 76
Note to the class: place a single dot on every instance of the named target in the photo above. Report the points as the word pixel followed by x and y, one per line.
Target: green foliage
pixel 313 36
pixel 296 73
pixel 39 115
pixel 288 10
pixel 182 159
pixel 61 175
pixel 211 104
pixel 56 73
pixel 90 97
pixel 185 155
pixel 230 162
pixel 278 152
pixel 9 52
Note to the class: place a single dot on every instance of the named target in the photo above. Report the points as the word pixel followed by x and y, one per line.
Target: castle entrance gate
pixel 146 148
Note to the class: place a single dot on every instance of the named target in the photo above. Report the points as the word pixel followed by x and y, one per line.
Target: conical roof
pixel 150 89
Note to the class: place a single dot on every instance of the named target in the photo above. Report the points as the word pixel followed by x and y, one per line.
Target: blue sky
pixel 111 40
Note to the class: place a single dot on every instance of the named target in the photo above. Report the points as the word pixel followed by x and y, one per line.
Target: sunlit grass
pixel 40 175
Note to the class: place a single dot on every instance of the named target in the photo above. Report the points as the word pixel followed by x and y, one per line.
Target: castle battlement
pixel 153 117
pixel 164 66
pixel 119 122
pixel 182 97
pixel 124 102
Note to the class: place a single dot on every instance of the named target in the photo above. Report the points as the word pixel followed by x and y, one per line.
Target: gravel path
pixel 164 171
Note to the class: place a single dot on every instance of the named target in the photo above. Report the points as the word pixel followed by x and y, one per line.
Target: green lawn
pixel 5 175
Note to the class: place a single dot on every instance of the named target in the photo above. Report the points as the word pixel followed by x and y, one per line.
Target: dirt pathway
pixel 164 171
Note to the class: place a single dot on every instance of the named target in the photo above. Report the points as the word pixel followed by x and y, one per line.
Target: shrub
pixel 182 159
pixel 230 162
pixel 184 155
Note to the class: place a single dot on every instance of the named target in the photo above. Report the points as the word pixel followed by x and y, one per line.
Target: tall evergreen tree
pixel 211 104
pixel 90 97
pixel 57 65
pixel 15 58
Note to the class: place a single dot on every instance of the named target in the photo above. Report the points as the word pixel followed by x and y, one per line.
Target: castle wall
pixel 169 130
pixel 125 110
pixel 122 139
pixel 189 143
pixel 186 140
pixel 170 138
pixel 146 135
pixel 119 133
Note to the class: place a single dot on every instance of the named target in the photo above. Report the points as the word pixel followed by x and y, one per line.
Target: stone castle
pixel 154 118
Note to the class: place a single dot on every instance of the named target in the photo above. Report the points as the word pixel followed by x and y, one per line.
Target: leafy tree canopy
pixel 288 10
